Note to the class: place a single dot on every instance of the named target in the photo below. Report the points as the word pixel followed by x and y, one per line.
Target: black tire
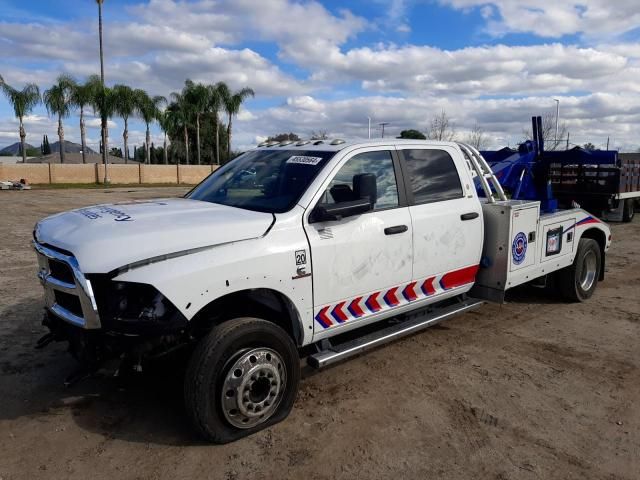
pixel 578 281
pixel 629 210
pixel 210 371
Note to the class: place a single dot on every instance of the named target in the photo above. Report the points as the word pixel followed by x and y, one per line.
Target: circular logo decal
pixel 519 248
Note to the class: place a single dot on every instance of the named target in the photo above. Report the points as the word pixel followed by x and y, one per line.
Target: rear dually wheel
pixel 578 281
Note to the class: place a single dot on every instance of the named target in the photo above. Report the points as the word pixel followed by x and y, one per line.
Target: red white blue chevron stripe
pixel 584 221
pixel 360 307
pixel 587 220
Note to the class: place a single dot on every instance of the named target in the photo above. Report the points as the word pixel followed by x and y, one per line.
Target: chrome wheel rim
pixel 589 268
pixel 253 387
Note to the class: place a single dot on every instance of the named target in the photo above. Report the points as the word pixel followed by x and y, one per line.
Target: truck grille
pixel 61 271
pixel 67 292
pixel 68 302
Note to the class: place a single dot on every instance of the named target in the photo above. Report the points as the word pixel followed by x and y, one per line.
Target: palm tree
pixel 125 104
pixel 198 96
pixel 102 101
pixel 165 120
pixel 214 103
pixel 81 97
pixel 148 108
pixel 232 103
pixel 59 101
pixel 23 101
pixel 182 113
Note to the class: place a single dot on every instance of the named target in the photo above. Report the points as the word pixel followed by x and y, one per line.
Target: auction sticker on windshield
pixel 303 160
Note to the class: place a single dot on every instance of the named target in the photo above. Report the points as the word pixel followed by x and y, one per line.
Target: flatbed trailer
pixel 608 190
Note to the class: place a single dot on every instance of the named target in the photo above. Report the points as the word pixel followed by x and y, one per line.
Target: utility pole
pixel 607 144
pixel 369 127
pixel 383 124
pixel 567 141
pixel 557 117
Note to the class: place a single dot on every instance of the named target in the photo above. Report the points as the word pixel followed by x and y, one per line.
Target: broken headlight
pixel 135 308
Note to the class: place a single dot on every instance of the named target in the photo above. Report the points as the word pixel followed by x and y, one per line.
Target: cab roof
pixel 335 145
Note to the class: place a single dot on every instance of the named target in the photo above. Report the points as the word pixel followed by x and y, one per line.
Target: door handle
pixel 395 230
pixel 469 216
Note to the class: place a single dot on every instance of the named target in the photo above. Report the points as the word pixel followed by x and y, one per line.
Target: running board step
pixel 421 321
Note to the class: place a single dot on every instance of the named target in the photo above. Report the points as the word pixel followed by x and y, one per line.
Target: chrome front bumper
pixel 70 298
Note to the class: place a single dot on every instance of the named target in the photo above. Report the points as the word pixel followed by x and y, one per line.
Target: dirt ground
pixel 533 389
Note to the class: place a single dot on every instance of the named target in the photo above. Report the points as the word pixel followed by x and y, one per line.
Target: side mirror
pixel 365 186
pixel 326 212
pixel 365 191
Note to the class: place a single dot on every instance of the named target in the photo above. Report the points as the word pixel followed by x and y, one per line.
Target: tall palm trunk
pixel 23 135
pixel 198 136
pixel 215 120
pixel 148 145
pixel 105 145
pixel 186 144
pixel 166 157
pixel 125 138
pixel 229 139
pixel 61 138
pixel 83 136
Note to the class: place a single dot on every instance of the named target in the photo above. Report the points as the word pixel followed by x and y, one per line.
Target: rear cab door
pixel 446 217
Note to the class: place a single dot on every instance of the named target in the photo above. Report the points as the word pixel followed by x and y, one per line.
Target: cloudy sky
pixel 328 65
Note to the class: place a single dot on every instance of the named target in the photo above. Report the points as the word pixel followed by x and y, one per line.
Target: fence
pixel 48 173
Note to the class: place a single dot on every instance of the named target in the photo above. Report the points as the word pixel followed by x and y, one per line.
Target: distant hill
pixel 76 158
pixel 14 149
pixel 69 147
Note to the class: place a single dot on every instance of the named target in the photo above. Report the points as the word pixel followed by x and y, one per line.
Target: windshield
pixel 263 180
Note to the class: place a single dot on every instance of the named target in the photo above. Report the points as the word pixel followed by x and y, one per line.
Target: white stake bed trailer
pixel 309 247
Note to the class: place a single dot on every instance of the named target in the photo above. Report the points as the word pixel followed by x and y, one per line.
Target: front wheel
pixel 242 377
pixel 578 281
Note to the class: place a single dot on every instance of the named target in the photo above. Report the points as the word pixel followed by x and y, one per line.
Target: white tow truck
pixel 289 251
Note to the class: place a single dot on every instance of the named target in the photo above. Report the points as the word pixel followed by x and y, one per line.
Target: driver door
pixel 359 261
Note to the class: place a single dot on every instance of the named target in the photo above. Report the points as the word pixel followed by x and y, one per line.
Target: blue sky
pixel 328 65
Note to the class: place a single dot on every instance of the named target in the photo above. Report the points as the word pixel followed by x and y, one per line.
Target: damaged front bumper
pixel 68 294
pixel 102 318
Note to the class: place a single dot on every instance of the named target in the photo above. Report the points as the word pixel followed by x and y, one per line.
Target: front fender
pixel 192 282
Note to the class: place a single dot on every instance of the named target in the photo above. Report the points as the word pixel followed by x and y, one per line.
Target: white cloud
pixel 297 27
pixel 96 123
pixel 305 102
pixel 170 41
pixel 589 118
pixel 555 19
pixel 245 115
pixel 489 70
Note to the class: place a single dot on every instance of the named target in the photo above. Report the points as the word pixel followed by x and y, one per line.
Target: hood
pixel 106 237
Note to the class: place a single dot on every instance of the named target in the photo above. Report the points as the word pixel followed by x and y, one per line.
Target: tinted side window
pixel 380 164
pixel 433 175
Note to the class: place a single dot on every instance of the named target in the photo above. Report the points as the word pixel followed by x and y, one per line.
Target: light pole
pixel 557 116
pixel 369 127
pixel 383 124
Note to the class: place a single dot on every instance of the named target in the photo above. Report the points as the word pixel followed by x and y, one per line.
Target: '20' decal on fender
pixel 519 248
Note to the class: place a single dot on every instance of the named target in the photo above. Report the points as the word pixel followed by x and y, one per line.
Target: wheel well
pixel 599 236
pixel 262 303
